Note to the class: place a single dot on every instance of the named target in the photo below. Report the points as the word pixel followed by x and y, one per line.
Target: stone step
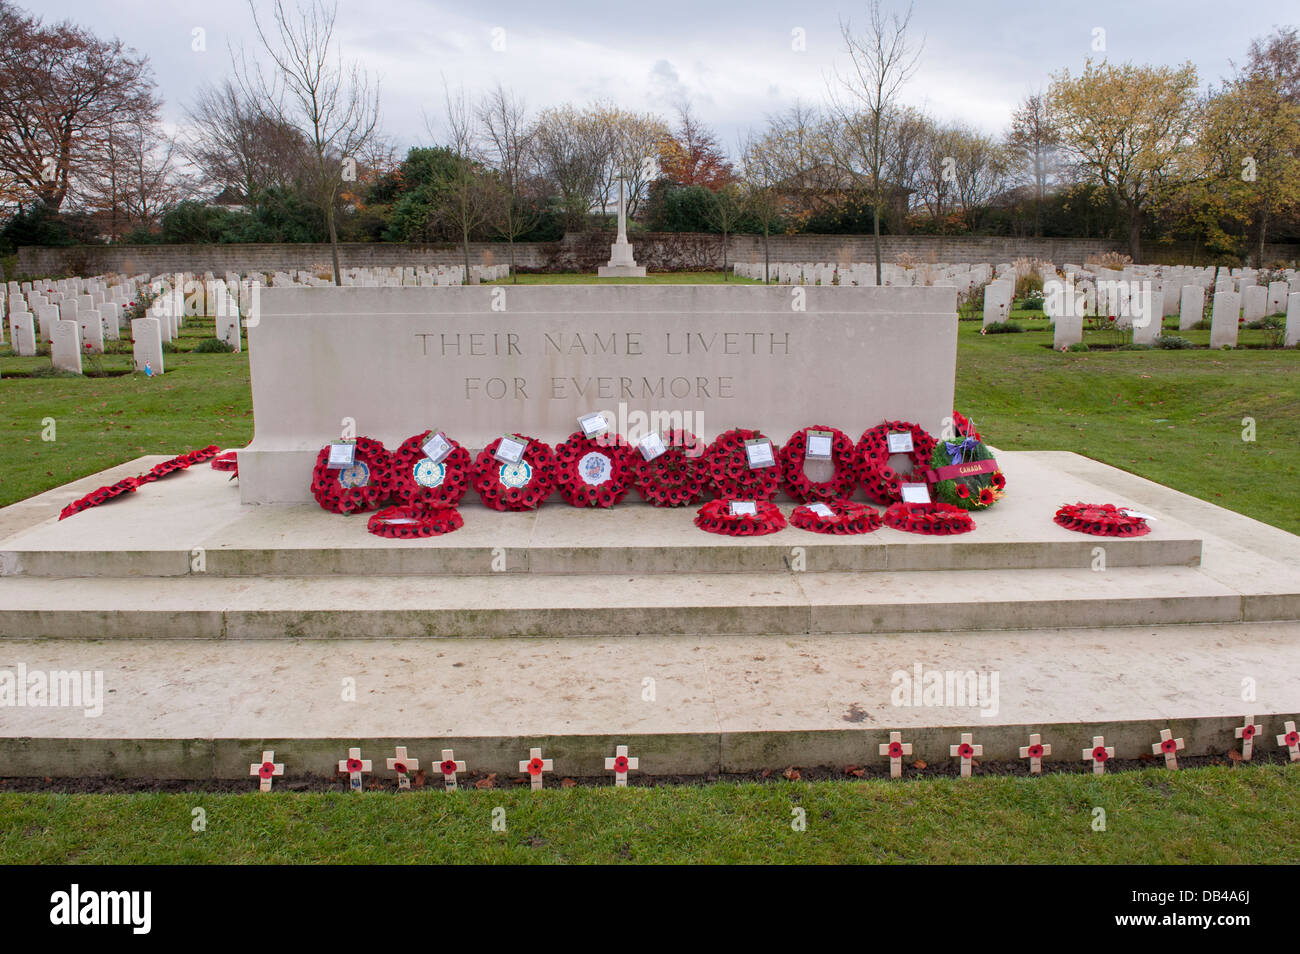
pixel 602 604
pixel 205 709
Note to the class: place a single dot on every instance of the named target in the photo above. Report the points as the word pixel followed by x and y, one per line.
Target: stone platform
pixel 222 629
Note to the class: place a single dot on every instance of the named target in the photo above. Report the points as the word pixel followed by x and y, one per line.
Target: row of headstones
pixel 863 274
pixel 74 316
pixel 417 276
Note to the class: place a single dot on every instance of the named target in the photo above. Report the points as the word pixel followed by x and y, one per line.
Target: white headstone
pixel 22 328
pixel 1254 302
pixel 997 301
pixel 1191 307
pixel 146 342
pixel 1223 320
pixel 1292 320
pixel 65 346
pixel 1277 295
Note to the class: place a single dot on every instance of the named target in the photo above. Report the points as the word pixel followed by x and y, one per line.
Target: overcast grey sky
pixel 735 59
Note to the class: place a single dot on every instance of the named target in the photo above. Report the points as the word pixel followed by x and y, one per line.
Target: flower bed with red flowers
pixel 729 470
pixel 409 522
pixel 938 519
pixel 716 517
pixel 965 475
pixel 1101 520
pixel 593 471
pixel 521 486
pixel 676 477
pixel 363 486
pixel 880 481
pixel 794 454
pixel 96 497
pixel 226 463
pixel 849 518
pixel 418 481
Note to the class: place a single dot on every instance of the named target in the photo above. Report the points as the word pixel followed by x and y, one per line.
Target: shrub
pixel 1079 346
pixel 1002 328
pixel 1202 325
pixel 1172 342
pixel 1031 302
pixel 1029 284
pixel 213 346
pixel 1270 322
pixel 970 303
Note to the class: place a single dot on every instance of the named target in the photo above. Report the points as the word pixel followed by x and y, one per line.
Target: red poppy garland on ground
pixel 716 517
pixel 1101 520
pixel 795 453
pixel 938 519
pixel 409 522
pixel 676 477
pixel 227 463
pixel 361 486
pixel 847 517
pixel 880 481
pixel 519 486
pixel 419 481
pixel 179 463
pixel 97 497
pixel 593 471
pixel 729 470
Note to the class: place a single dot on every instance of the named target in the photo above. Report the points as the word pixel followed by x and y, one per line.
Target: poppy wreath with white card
pixel 1102 520
pixel 939 519
pixel 417 479
pixel 727 461
pixel 880 481
pixel 675 478
pixel 795 453
pixel 965 474
pixel 362 485
pixel 844 517
pixel 409 522
pixel 593 471
pixel 519 486
pixel 716 517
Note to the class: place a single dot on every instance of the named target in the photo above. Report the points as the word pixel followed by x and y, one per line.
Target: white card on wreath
pixel 900 442
pixel 398 521
pixel 819 446
pixel 1134 513
pixel 342 456
pixel 759 454
pixel 651 446
pixel 744 508
pixel 823 511
pixel 593 424
pixel 915 493
pixel 436 447
pixel 510 449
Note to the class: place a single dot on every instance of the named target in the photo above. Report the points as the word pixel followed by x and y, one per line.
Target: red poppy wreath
pixel 676 477
pixel 846 517
pixel 520 486
pixel 729 470
pixel 418 481
pixel 716 517
pixel 361 486
pixel 1101 520
pixel 97 497
pixel 881 482
pixel 593 471
pixel 409 522
pixel 795 453
pixel 938 519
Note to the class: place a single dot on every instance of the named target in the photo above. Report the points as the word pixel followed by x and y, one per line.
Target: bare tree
pixel 474 196
pixel 762 180
pixel 724 213
pixel 574 149
pixel 510 140
pixel 881 60
pixel 136 179
pixel 1032 144
pixel 335 106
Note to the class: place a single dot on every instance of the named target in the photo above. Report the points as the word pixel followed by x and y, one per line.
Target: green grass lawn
pixel 1173 416
pixel 1152 816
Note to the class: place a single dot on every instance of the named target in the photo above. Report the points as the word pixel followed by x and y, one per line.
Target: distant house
pixel 228 199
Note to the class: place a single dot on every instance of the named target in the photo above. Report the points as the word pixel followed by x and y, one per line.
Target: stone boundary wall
pixel 584 252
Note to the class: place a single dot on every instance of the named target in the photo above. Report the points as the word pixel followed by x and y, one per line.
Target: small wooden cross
pixel 1247 735
pixel 1099 754
pixel 449 767
pixel 266 769
pixel 965 750
pixel 1035 751
pixel 620 764
pixel 895 748
pixel 535 765
pixel 1169 746
pixel 401 764
pixel 354 765
pixel 1290 740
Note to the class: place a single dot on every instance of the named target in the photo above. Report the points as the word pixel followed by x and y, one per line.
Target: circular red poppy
pixel 1248 732
pixel 1292 738
pixel 354 765
pixel 620 763
pixel 1099 754
pixel 448 767
pixel 399 767
pixel 1035 751
pixel 895 750
pixel 535 767
pixel 965 750
pixel 1169 745
pixel 267 770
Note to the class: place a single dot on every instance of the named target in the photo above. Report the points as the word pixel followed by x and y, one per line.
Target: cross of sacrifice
pixel 354 765
pixel 1290 740
pixel 535 765
pixel 895 748
pixel 1169 746
pixel 965 750
pixel 1247 735
pixel 401 765
pixel 620 764
pixel 1099 754
pixel 449 767
pixel 266 769
pixel 1035 751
